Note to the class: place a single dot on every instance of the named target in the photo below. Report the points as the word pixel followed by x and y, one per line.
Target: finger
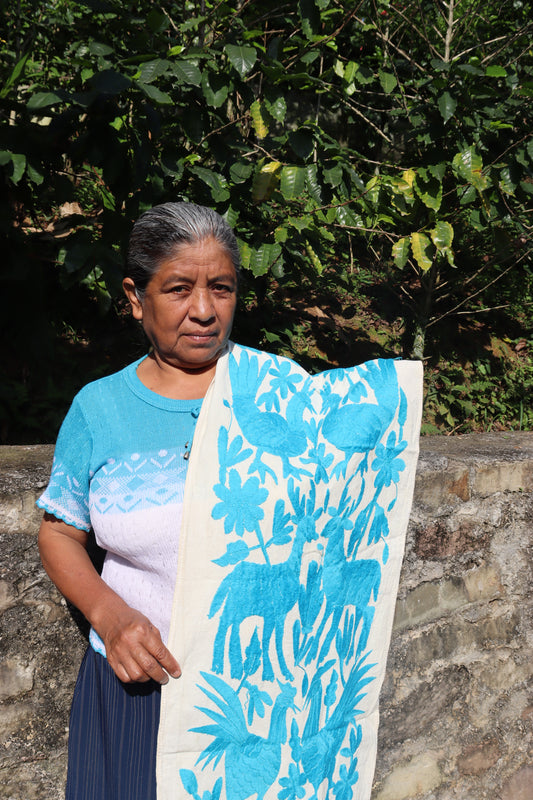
pixel 165 658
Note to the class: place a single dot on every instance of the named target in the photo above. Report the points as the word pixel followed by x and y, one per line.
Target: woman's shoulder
pixel 107 386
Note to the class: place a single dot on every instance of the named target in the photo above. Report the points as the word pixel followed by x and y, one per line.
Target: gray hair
pixel 159 232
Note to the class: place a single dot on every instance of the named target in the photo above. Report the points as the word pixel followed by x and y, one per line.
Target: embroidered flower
pixel 240 504
pixel 293 785
pixel 387 464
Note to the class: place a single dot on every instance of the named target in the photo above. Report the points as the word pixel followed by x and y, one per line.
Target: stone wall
pixel 457 705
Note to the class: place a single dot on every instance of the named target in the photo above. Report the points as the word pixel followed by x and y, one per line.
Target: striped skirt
pixel 113 735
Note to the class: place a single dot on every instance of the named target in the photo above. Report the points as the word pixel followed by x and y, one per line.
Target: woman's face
pixel 188 307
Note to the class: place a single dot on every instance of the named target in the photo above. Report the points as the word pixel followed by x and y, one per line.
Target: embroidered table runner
pixel 296 505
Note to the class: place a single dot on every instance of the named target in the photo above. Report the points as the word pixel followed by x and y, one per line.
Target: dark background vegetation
pixel 375 159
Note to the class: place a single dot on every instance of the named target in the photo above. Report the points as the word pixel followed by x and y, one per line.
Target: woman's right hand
pixel 134 647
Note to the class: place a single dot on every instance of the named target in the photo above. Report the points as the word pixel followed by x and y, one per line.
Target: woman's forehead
pixel 203 256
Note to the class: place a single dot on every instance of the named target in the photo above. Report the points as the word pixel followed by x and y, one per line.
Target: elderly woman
pixel 245 559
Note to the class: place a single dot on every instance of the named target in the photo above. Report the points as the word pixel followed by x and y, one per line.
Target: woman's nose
pixel 201 306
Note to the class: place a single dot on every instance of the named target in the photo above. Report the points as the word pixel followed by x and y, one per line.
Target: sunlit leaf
pixel 442 235
pixel 429 189
pixel 388 81
pixel 258 119
pixel 496 71
pixel 400 251
pixel 315 261
pixel 292 182
pixel 42 100
pixel 265 181
pixel 263 258
pixel 421 246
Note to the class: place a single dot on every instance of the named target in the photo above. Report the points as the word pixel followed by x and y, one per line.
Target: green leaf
pixel 240 171
pixel 151 70
pixel 99 49
pixel 215 88
pixel 506 183
pixel 315 261
pixel 42 100
pixel 187 73
pixel 311 183
pixel 277 107
pixel 333 175
pixel 442 235
pixel 388 81
pixel 155 95
pixel 19 165
pixel 400 251
pixel 34 175
pixel 18 69
pixel 447 105
pixel 216 182
pixel 302 143
pixel 260 260
pixel 309 17
pixel 469 166
pixel 157 21
pixel 496 72
pixel 429 189
pixel 242 58
pixel 292 182
pixel 110 82
pixel 421 247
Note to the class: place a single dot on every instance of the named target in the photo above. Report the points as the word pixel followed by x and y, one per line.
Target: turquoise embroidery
pixel 295 604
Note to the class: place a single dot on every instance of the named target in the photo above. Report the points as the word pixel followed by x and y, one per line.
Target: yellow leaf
pixel 258 119
pixel 420 245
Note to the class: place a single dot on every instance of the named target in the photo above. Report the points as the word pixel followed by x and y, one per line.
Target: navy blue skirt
pixel 113 735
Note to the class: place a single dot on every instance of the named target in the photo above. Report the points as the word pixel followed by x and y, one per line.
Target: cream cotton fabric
pixel 296 506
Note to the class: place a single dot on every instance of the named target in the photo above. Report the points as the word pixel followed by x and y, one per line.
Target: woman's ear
pixel 131 293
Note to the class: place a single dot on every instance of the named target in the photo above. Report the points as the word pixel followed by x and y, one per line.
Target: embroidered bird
pixel 319 746
pixel 269 432
pixel 251 762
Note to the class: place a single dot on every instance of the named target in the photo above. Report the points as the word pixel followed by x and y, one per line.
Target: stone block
pixel 445 639
pixel 519 786
pixel 420 775
pixel 482 584
pixel 8 595
pixel 440 540
pixel 450 487
pixel 478 758
pixel 507 477
pixel 424 707
pixel 16 678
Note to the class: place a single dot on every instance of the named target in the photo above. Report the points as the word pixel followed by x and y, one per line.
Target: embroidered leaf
pixel 188 779
pixel 253 655
pixel 237 551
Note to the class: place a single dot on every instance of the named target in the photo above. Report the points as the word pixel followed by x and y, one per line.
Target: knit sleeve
pixel 67 493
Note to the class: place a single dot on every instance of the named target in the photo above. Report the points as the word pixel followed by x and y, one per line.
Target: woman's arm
pixel 133 645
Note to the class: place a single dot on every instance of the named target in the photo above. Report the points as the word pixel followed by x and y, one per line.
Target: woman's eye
pixel 179 289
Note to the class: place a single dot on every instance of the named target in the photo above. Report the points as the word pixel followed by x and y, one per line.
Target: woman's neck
pixel 173 382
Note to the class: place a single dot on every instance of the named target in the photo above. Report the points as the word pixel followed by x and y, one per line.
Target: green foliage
pixel 392 138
